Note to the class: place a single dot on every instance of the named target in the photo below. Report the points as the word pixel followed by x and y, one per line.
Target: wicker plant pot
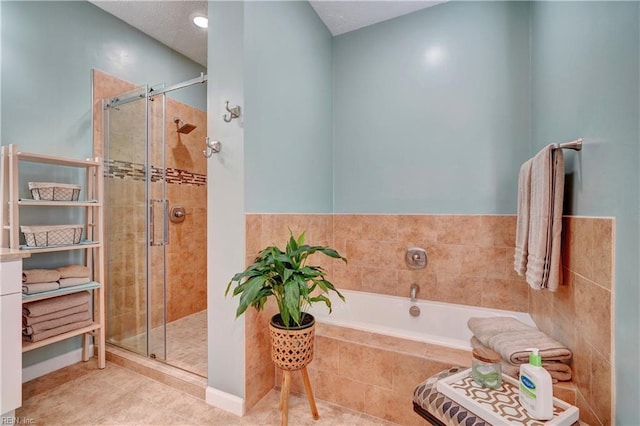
pixel 292 348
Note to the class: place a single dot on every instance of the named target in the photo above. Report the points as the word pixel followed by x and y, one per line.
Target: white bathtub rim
pixel 335 301
pixel 322 315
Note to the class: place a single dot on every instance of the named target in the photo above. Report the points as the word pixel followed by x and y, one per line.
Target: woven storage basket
pixel 292 349
pixel 54 235
pixel 49 191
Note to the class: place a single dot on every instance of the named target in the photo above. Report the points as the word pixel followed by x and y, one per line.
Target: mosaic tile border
pixel 136 171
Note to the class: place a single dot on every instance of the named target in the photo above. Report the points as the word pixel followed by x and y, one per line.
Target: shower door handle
pixel 165 221
pixel 158 236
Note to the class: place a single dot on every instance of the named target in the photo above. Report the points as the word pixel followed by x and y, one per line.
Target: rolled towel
pixel 26 321
pixel 39 287
pixel 511 339
pixel 74 271
pixel 57 322
pixel 70 282
pixel 47 306
pixel 559 371
pixel 55 331
pixel 30 276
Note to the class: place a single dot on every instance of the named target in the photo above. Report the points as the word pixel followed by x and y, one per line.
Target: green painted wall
pixel 431 111
pixel 585 83
pixel 225 198
pixel 48 50
pixel 433 114
pixel 287 119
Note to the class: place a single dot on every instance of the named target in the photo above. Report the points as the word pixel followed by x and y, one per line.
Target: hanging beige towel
pixel 58 314
pixel 55 331
pixel 522 224
pixel 57 322
pixel 70 282
pixel 545 219
pixel 39 287
pixel 74 271
pixel 30 276
pixel 47 306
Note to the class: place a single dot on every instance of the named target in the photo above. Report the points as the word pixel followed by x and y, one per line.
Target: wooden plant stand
pixel 284 394
pixel 292 350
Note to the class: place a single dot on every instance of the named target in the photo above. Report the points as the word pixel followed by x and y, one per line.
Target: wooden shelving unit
pixel 11 203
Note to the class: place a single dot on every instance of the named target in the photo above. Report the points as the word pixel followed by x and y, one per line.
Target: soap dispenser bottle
pixel 536 393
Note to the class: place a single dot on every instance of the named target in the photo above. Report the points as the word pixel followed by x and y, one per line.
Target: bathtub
pixel 438 323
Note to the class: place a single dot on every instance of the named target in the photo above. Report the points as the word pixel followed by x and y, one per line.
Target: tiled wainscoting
pixel 371 373
pixel 580 313
pixel 470 262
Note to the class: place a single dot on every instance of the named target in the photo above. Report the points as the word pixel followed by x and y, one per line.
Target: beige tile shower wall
pixel 186 252
pixel 104 86
pixel 470 258
pixel 124 270
pixel 120 273
pixel 580 313
pixel 187 249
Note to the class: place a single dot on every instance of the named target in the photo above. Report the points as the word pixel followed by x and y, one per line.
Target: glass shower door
pixel 135 222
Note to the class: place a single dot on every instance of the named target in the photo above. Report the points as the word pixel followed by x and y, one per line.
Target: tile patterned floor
pixel 186 343
pixel 83 395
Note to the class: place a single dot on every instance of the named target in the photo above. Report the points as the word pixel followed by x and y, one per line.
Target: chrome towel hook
pixel 213 147
pixel 234 112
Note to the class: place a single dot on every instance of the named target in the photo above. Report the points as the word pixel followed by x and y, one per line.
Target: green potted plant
pixel 295 286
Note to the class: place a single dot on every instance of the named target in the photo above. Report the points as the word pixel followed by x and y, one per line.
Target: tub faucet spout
pixel 415 288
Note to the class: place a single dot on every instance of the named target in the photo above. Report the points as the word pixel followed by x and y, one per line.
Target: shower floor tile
pixel 186 343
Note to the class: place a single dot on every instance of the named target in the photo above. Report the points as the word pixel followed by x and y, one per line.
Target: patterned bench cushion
pixel 450 413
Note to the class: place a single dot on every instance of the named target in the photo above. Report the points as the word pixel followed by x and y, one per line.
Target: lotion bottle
pixel 536 392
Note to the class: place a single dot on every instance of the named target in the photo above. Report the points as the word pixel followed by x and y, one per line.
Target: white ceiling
pixel 170 21
pixel 344 16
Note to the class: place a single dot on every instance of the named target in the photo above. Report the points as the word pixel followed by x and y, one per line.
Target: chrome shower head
pixel 182 127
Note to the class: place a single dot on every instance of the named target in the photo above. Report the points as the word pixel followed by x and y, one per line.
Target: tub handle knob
pixel 416 258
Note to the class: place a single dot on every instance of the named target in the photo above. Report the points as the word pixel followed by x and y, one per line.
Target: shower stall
pixel 155 220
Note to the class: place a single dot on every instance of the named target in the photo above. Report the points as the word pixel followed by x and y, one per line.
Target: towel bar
pixel 576 145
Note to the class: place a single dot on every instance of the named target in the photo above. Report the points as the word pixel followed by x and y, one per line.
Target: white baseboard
pixel 52 364
pixel 225 401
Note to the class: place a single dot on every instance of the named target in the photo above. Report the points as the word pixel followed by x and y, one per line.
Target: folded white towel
pixel 545 219
pixel 522 226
